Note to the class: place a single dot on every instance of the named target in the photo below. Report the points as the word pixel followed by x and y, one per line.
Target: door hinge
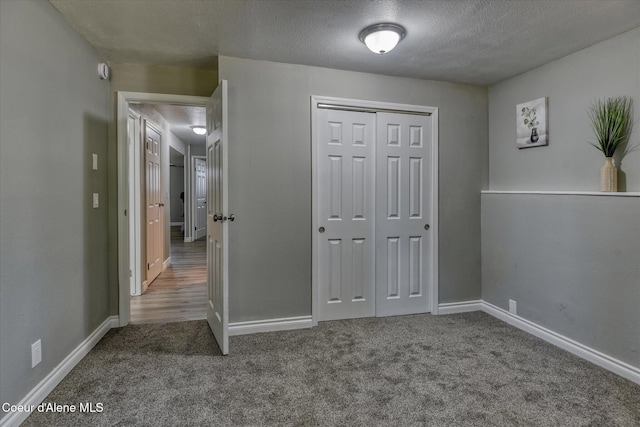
pixel 125 212
pixel 130 273
pixel 148 266
pixel 195 228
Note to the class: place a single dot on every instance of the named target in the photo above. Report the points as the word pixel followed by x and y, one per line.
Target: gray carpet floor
pixel 455 370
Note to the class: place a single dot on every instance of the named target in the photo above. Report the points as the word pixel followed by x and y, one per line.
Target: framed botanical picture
pixel 531 124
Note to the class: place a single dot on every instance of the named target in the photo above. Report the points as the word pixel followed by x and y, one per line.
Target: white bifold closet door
pixel 373 175
pixel 346 252
pixel 403 171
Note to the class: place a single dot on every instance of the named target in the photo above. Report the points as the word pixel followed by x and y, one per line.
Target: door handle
pixel 161 204
pixel 221 218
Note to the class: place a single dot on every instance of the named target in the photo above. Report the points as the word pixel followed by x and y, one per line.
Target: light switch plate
pixel 95 200
pixel 95 161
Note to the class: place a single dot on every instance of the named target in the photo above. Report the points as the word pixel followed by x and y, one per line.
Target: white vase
pixel 608 176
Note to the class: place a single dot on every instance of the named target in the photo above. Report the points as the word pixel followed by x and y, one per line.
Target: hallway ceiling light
pixel 199 130
pixel 382 38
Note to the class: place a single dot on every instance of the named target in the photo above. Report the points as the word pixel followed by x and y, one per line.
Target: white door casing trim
pixel 135 220
pixel 314 189
pixel 124 233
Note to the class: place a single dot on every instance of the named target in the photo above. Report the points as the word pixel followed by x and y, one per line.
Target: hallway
pixel 180 292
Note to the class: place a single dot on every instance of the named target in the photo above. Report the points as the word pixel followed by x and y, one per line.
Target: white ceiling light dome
pixel 199 130
pixel 382 38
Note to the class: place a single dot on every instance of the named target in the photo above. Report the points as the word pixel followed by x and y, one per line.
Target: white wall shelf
pixel 564 193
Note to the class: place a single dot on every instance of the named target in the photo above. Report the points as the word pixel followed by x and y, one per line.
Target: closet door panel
pixel 403 156
pixel 345 212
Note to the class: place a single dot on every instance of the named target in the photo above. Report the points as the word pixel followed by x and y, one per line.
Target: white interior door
pixel 154 205
pixel 346 200
pixel 403 157
pixel 217 223
pixel 200 178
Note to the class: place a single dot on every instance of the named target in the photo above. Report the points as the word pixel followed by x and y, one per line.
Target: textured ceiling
pixel 468 41
pixel 181 118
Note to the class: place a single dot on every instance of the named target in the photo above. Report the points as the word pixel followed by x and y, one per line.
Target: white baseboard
pixel 594 356
pixel 166 264
pixel 460 307
pixel 177 223
pixel 40 391
pixel 270 325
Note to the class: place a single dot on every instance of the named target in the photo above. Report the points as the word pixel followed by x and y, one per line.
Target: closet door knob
pixel 427 227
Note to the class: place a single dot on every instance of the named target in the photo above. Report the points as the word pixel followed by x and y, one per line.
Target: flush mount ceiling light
pixel 199 130
pixel 381 38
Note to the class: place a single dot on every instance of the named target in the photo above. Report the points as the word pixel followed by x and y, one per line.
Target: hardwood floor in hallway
pixel 180 292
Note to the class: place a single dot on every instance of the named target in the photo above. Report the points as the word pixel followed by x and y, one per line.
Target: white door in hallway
pixel 403 157
pixel 218 218
pixel 200 177
pixel 346 197
pixel 154 204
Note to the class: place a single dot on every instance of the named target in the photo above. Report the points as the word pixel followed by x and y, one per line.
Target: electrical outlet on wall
pixel 513 306
pixel 36 353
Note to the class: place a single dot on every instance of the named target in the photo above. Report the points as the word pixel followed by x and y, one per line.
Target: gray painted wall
pixel 270 178
pixel 198 150
pixel 610 68
pixel 177 144
pixel 54 113
pixel 572 263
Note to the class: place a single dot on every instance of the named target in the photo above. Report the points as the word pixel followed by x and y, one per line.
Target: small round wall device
pixel 103 71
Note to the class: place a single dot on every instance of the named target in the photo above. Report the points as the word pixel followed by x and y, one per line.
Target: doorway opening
pixel 155 193
pixel 170 263
pixel 130 206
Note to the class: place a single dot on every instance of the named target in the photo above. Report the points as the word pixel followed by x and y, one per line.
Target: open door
pixel 217 221
pixel 154 204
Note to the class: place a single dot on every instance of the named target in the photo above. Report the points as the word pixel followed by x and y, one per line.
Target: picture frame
pixel 531 124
